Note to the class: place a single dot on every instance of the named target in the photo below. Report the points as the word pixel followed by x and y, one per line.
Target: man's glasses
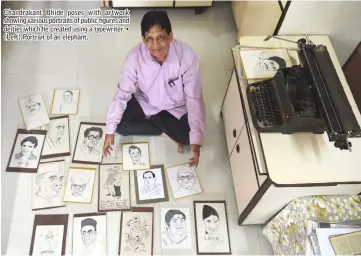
pixel 92 137
pixel 159 39
pixel 187 177
pixel 60 127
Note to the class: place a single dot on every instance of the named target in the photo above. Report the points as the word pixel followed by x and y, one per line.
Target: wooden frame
pixel 59 154
pixel 76 144
pixel 137 209
pixel 135 143
pixel 23 169
pixel 164 182
pixel 53 100
pixel 53 219
pixel 120 209
pixel 196 228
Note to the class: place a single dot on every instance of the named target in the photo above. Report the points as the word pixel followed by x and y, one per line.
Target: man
pixel 160 90
pixel 79 181
pixel 186 181
pixel 113 182
pixel 150 189
pixel 92 135
pixel 33 107
pixel 50 184
pixel 176 228
pixel 89 236
pixel 55 134
pixel 27 157
pixel 68 105
pixel 135 154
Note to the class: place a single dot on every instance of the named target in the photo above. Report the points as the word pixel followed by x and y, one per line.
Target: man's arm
pixel 195 105
pixel 126 87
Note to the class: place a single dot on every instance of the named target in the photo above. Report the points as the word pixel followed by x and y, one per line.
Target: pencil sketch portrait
pixel 48 185
pixel 183 181
pixel 89 144
pixel 175 226
pixel 48 240
pixel 113 188
pixel 264 63
pixel 150 184
pixel 57 137
pixel 27 151
pixel 89 235
pixel 79 187
pixel 212 227
pixel 65 102
pixel 135 156
pixel 34 111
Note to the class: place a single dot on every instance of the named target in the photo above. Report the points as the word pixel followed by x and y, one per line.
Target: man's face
pixel 186 180
pixel 134 155
pixel 67 97
pixel 52 182
pixel 269 65
pixel 211 224
pixel 77 189
pixel 33 108
pixel 148 179
pixel 92 139
pixel 157 41
pixel 177 224
pixel 27 147
pixel 57 130
pixel 88 235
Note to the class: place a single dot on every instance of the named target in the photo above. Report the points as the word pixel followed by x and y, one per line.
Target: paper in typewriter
pixel 264 63
pixel 347 244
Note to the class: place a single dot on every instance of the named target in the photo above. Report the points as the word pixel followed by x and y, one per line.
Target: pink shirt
pixel 149 81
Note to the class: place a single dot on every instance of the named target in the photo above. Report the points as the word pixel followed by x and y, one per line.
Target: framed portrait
pixel 150 185
pixel 113 188
pixel 90 234
pixel 26 151
pixel 49 235
pixel 57 140
pixel 48 186
pixel 211 222
pixel 79 185
pixel 89 143
pixel 135 156
pixel 34 111
pixel 176 228
pixel 264 63
pixel 65 102
pixel 136 231
pixel 183 180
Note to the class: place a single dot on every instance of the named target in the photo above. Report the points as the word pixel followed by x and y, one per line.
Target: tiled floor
pixel 94 67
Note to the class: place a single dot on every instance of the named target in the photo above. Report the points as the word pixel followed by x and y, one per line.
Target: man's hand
pixel 108 142
pixel 196 152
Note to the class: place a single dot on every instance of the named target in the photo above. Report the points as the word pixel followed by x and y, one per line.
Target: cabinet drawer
pixel 232 113
pixel 243 171
pixel 192 3
pixel 127 3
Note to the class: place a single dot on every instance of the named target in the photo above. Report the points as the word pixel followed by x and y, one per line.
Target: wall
pixel 341 20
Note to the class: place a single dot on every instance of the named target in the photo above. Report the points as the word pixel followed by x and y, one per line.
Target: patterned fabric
pixel 287 231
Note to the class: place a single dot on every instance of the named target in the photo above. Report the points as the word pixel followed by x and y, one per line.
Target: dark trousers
pixel 134 123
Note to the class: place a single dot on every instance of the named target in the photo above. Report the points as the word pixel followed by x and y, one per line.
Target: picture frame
pixel 57 142
pixel 46 234
pixel 26 151
pixel 133 157
pixel 88 150
pixel 79 186
pixel 89 234
pixel 120 197
pixel 65 102
pixel 211 239
pixel 157 192
pixel 181 185
pixel 33 111
pixel 46 193
pixel 142 240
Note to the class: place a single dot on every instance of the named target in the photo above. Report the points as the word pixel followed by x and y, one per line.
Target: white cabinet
pixel 193 3
pixel 125 3
pixel 243 171
pixel 232 113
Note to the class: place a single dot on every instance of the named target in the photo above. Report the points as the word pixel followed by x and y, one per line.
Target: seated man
pixel 160 90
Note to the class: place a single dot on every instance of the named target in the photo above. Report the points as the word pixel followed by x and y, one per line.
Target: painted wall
pixel 341 20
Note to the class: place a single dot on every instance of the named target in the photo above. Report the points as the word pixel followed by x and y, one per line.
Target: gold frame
pixel 170 184
pixel 22 114
pixel 52 103
pixel 66 184
pixel 259 49
pixel 127 143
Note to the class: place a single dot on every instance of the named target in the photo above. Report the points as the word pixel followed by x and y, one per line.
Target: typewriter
pixel 305 98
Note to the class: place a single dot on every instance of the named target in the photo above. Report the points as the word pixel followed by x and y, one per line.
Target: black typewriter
pixel 305 98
